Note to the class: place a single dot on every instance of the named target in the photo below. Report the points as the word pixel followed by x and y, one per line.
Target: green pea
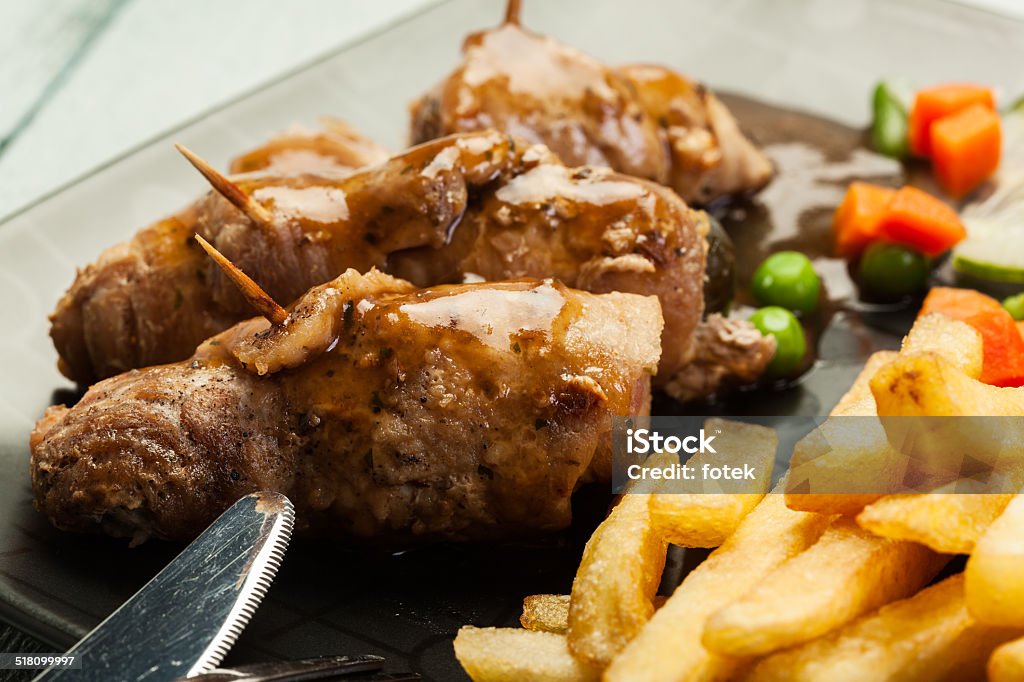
pixel 787 279
pixel 790 345
pixel 1015 304
pixel 893 270
pixel 889 127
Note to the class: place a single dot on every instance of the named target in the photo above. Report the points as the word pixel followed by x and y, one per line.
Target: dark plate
pixel 810 56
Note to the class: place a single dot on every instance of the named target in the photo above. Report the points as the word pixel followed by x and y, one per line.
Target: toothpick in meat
pixel 253 293
pixel 512 12
pixel 229 190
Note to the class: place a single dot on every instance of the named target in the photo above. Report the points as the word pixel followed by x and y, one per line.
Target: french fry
pixel 950 523
pixel 957 342
pixel 928 385
pixel 948 419
pixel 706 519
pixel 845 574
pixel 995 571
pixel 858 401
pixel 550 612
pixel 1007 663
pixel 869 455
pixel 669 647
pixel 546 612
pixel 925 638
pixel 701 519
pixel 844 464
pixel 613 593
pixel 514 655
pixel 864 452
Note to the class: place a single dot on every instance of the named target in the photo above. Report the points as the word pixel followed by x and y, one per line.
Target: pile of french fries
pixel 834 587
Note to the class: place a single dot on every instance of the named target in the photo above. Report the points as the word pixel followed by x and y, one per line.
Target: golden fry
pixel 612 595
pixel 819 463
pixel 669 647
pixel 546 612
pixel 927 638
pixel 947 522
pixel 706 519
pixel 995 571
pixel 845 574
pixel 929 385
pixel 860 447
pixel 514 655
pixel 1007 662
pixel 858 401
pixel 550 612
pixel 956 342
pixel 843 465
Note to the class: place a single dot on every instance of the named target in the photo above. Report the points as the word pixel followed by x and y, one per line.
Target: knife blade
pixel 184 621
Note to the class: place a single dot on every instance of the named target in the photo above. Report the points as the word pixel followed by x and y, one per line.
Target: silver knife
pixel 184 621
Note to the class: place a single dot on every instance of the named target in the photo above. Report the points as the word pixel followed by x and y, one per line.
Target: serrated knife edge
pixel 184 621
pixel 256 582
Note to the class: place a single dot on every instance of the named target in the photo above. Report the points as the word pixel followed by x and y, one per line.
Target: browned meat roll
pixel 384 412
pixel 642 120
pixel 471 204
pixel 337 147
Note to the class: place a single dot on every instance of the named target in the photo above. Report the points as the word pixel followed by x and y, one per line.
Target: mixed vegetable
pixel 992 256
pixel 786 285
pixel 893 271
pixel 1002 343
pixel 892 234
pixel 965 148
pixel 890 123
pixel 893 237
pixel 954 125
pixel 1015 306
pixel 787 279
pixel 790 344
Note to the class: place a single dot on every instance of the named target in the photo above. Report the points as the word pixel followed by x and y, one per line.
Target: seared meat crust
pixel 478 203
pixel 727 353
pixel 646 121
pixel 337 148
pixel 710 157
pixel 384 412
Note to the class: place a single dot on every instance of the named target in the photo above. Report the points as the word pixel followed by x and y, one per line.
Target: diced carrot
pixel 1003 343
pixel 917 219
pixel 959 304
pixel 1003 361
pixel 931 104
pixel 965 148
pixel 857 219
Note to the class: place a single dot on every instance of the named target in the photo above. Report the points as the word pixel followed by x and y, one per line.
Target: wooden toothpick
pixel 253 293
pixel 227 189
